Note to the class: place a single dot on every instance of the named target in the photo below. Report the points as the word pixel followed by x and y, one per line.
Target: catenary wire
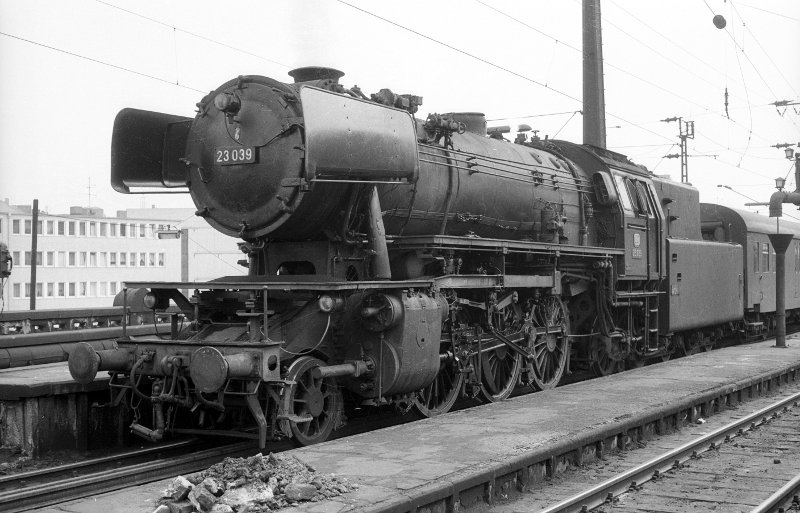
pixel 766 53
pixel 193 34
pixel 98 61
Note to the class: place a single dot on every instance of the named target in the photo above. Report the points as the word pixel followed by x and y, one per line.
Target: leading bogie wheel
pixel 311 406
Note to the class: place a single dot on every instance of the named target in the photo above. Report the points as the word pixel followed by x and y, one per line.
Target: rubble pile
pixel 257 484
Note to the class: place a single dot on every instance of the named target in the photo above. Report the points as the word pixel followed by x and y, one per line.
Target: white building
pixel 83 257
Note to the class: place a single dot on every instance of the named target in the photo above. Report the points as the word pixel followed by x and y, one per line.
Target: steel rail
pixel 71 468
pixel 69 488
pixel 780 498
pixel 633 478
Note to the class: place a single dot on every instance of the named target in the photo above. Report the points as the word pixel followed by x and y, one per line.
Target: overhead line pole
pixel 34 251
pixel 685 131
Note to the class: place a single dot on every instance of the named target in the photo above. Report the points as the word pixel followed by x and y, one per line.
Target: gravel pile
pixel 250 485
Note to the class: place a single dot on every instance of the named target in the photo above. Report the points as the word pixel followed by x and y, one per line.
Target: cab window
pixel 641 193
pixel 624 196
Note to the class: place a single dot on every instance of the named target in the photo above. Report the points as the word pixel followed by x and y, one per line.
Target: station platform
pixel 43 409
pixel 458 460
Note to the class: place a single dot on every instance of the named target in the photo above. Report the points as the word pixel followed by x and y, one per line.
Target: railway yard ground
pixel 482 457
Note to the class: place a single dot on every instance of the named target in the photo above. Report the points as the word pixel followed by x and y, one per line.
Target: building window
pixel 103 229
pixel 16 290
pixel 93 259
pixel 82 288
pixel 28 258
pixel 61 227
pixel 28 226
pixel 82 227
pixel 40 227
pixel 72 227
pixel 72 289
pixel 27 290
pixel 39 289
pixel 103 288
pixel 112 259
pixel 61 289
pixel 142 229
pixel 142 259
pixel 50 289
pixel 93 289
pixel 51 258
pixel 62 259
pixel 122 259
pixel 93 229
pixel 50 227
pixel 16 256
pixel 132 259
pixel 83 259
pixel 132 231
pixel 161 259
pixel 15 226
pixel 103 259
pixel 72 259
pixel 112 229
pixel 122 230
pixel 112 288
pixel 152 260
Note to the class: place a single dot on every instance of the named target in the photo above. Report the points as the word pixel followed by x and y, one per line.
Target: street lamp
pixel 779 183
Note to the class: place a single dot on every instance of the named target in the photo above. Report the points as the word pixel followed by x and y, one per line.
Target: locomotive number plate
pixel 235 155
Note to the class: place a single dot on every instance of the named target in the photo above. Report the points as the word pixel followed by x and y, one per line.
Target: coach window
pixel 771 258
pixel 796 257
pixel 765 257
pixel 756 257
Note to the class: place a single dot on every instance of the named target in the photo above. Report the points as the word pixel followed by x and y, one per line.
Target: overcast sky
pixel 67 68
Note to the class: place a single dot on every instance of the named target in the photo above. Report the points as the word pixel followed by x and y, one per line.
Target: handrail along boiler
pixel 394 260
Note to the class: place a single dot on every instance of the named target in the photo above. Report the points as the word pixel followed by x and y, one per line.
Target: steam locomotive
pixel 395 260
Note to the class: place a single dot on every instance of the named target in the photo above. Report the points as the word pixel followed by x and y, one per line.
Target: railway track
pixel 732 468
pixel 44 487
pixel 21 492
